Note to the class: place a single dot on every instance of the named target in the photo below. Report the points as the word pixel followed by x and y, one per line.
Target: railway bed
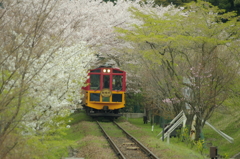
pixel 124 145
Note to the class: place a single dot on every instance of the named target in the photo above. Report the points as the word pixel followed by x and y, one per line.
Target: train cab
pixel 105 92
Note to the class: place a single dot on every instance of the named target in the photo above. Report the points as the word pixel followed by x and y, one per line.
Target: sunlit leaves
pixel 197 43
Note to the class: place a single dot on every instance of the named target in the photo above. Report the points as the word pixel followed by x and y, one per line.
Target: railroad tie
pixel 132 148
pixel 128 143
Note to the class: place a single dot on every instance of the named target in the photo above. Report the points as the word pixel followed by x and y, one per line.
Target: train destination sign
pixel 106 92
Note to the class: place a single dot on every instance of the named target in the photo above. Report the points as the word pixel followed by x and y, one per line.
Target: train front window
pixel 94 82
pixel 95 97
pixel 117 82
pixel 106 80
pixel 117 98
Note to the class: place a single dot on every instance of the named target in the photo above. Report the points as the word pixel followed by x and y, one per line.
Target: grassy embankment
pixel 226 120
pixel 87 141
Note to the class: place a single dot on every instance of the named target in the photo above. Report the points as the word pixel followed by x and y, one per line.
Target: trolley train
pixel 105 92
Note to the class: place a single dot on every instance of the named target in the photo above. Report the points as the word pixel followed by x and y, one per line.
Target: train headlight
pixel 104 70
pixel 108 70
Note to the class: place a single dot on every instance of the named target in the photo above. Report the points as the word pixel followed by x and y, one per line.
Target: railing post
pixel 168 136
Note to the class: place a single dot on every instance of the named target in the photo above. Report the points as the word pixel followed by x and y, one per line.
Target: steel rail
pixel 143 148
pixel 114 146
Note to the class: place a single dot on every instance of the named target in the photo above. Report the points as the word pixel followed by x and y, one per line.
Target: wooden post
pixel 213 152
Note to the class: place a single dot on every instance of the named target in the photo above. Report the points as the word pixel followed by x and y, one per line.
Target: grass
pixel 226 120
pixel 87 140
pixel 148 135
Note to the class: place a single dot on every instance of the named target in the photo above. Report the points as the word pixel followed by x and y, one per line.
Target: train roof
pixel 115 70
pixel 106 66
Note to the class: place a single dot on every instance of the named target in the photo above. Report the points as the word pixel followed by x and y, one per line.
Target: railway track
pixel 124 145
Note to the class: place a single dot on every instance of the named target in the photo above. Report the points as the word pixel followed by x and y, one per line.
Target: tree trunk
pixel 198 128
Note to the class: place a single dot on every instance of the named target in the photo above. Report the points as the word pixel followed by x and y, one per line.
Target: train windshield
pixel 106 81
pixel 117 82
pixel 94 82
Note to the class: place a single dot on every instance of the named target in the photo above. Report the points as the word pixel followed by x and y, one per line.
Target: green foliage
pixel 177 42
pixel 233 100
pixel 168 2
pixel 225 155
pixel 184 136
pixel 200 145
pixel 157 34
pixel 228 5
pixel 133 102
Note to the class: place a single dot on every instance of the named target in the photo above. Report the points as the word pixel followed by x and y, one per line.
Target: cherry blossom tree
pixel 45 54
pixel 59 84
pixel 42 70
